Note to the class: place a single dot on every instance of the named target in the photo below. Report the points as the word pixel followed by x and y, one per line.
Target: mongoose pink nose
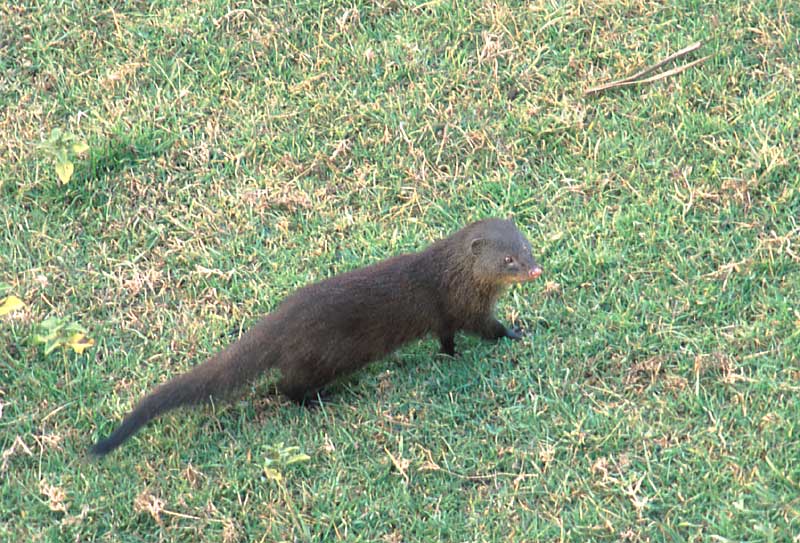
pixel 534 272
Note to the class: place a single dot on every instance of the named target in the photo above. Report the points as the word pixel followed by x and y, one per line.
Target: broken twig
pixel 639 77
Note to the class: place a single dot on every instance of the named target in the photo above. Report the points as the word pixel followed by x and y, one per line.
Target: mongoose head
pixel 501 253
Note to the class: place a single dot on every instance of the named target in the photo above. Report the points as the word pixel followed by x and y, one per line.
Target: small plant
pixel 279 458
pixel 55 332
pixel 63 147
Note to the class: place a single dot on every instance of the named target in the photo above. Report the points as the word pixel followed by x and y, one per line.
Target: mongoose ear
pixel 476 246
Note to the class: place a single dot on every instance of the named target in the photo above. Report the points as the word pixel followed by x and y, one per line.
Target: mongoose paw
pixel 313 401
pixel 448 351
pixel 448 346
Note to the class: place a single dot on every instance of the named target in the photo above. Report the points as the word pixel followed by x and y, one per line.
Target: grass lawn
pixel 240 150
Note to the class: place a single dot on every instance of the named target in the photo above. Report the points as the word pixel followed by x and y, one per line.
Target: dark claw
pixel 514 333
pixel 313 401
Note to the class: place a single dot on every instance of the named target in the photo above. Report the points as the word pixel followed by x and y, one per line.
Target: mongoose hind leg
pixel 303 394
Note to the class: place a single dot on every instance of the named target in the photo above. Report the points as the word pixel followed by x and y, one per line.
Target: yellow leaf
pixel 10 304
pixel 79 147
pixel 64 171
pixel 79 343
pixel 273 475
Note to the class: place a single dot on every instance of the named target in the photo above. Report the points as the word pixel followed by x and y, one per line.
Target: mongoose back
pixel 336 326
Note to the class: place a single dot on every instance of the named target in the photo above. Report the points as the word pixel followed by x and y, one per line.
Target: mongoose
pixel 334 327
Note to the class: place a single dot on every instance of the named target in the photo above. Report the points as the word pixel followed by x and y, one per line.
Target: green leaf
pixel 52 323
pixel 45 338
pixel 64 171
pixel 298 458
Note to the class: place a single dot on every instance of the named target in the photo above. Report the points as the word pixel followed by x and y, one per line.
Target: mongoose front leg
pixel 448 344
pixel 493 329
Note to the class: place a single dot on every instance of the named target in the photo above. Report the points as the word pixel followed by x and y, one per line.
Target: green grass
pixel 239 151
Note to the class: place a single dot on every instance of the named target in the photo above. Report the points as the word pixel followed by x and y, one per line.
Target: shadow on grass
pixel 120 151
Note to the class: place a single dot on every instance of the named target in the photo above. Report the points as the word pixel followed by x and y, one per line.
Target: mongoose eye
pixel 508 260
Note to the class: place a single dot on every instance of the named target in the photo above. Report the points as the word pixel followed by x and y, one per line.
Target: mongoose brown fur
pixel 336 326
